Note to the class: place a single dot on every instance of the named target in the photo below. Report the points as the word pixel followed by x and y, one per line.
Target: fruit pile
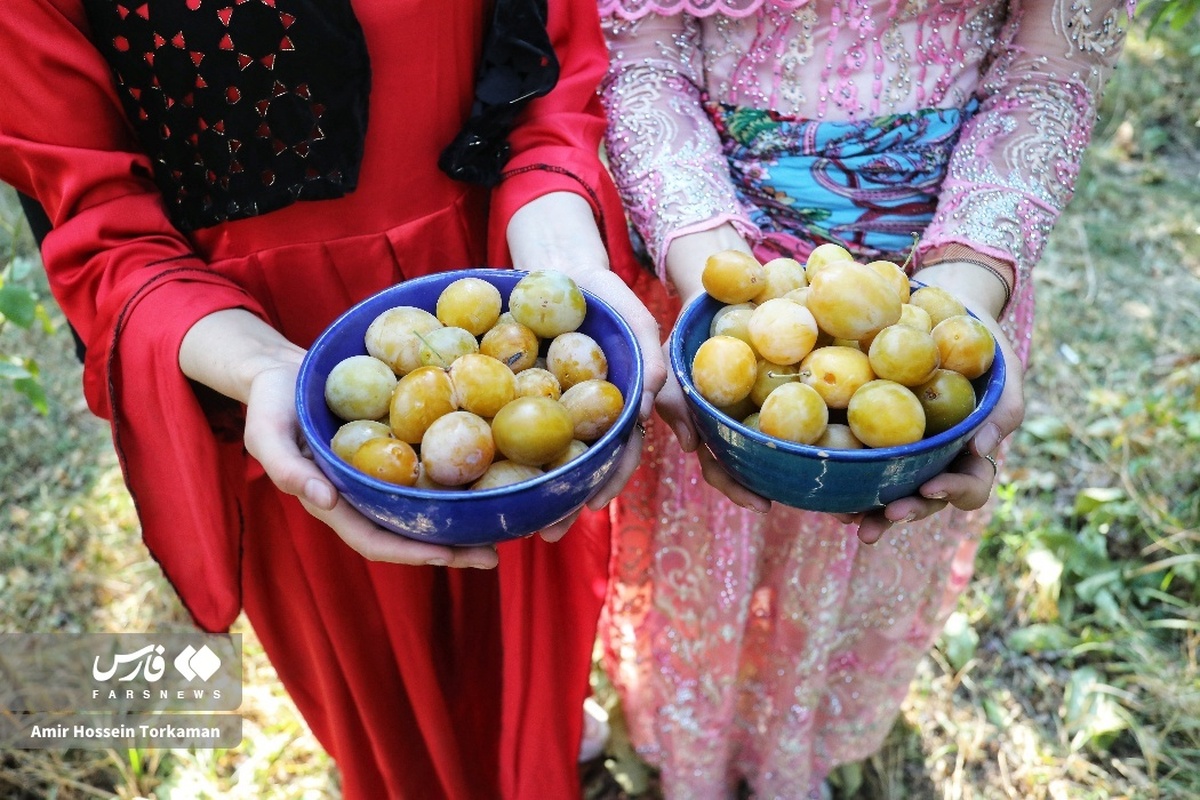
pixel 836 353
pixel 462 396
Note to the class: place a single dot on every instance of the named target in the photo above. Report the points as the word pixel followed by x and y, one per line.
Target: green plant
pixel 1172 13
pixel 21 306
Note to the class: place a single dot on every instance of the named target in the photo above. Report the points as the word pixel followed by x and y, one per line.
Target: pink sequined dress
pixel 771 648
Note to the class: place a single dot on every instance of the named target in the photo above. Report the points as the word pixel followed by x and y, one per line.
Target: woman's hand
pixel 273 437
pixel 558 232
pixel 968 481
pixel 685 263
pixel 242 357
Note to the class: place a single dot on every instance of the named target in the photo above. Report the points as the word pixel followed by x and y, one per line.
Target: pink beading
pixel 636 9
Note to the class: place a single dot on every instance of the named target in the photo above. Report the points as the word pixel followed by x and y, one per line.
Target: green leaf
pixel 1090 712
pixel 43 316
pixel 1040 638
pixel 1077 696
pixel 33 391
pixel 848 778
pixel 14 370
pixel 1155 138
pixel 20 267
pixel 1088 588
pixel 995 713
pixel 959 640
pixel 1184 11
pixel 1108 609
pixel 1046 428
pixel 1088 500
pixel 1176 13
pixel 18 304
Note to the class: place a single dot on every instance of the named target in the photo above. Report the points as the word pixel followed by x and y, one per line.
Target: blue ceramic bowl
pixel 813 478
pixel 463 517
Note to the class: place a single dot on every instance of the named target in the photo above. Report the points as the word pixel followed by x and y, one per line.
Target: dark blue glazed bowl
pixel 812 478
pixel 462 517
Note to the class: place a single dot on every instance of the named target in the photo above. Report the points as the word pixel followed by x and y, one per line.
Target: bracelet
pixel 957 252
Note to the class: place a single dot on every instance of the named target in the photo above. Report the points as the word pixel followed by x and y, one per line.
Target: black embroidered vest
pixel 244 106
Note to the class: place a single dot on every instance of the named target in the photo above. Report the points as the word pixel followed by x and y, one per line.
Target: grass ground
pixel 1071 668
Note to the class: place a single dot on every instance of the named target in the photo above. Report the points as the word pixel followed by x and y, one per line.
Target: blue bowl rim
pixel 593 452
pixel 997 375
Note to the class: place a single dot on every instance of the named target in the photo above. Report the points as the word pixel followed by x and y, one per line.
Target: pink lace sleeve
pixel 663 151
pixel 1015 166
pixel 636 9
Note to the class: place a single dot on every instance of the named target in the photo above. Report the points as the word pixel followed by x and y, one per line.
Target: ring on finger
pixel 995 467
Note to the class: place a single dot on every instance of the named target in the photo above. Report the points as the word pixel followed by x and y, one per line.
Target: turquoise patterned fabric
pixel 869 186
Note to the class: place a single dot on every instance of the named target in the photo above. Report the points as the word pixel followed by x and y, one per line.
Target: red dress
pixel 421 682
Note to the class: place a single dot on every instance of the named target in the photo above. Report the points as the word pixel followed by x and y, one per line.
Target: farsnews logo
pixel 149 664
pixel 193 663
pixel 159 689
pixel 146 677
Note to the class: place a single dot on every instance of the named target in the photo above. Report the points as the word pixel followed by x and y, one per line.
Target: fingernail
pixel 934 496
pixel 435 562
pixel 987 439
pixel 647 408
pixel 318 493
pixel 870 538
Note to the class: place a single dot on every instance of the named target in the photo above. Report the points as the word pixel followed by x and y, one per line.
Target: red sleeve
pixel 64 140
pixel 129 283
pixel 556 143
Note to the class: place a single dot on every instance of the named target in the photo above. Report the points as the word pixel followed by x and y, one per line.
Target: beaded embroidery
pixel 633 9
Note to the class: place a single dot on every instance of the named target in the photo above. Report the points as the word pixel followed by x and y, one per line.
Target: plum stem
pixel 432 349
pixel 912 253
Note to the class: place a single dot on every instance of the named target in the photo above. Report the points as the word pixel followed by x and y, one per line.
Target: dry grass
pixel 1072 672
pixel 73 561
